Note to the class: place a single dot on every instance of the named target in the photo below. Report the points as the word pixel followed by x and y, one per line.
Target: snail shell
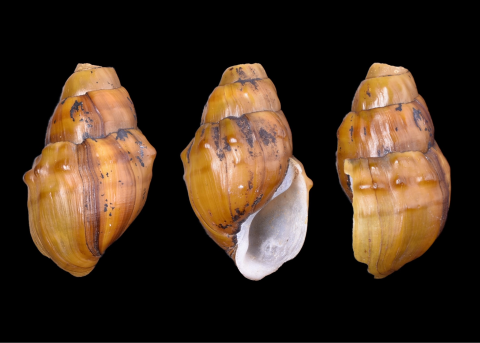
pixel 392 170
pixel 92 178
pixel 248 191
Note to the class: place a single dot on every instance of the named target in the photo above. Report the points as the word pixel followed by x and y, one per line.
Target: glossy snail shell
pixel 248 191
pixel 92 178
pixel 392 170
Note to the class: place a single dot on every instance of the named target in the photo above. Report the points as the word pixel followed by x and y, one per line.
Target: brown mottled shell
pixel 392 169
pixel 239 155
pixel 92 178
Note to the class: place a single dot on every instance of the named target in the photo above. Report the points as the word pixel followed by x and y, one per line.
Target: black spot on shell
pixel 267 137
pixel 86 136
pixel 122 134
pixel 188 152
pixel 257 200
pixel 417 116
pixel 75 107
pixel 365 131
pixel 252 81
pixel 241 73
pixel 216 140
pixel 226 146
pixel 245 128
pixel 140 160
pixel 399 108
pixel 351 132
pixel 238 214
pixel 224 226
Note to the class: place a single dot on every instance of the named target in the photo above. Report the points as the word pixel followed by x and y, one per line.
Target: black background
pixel 165 279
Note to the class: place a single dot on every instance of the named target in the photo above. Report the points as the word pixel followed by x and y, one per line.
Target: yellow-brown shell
pixel 392 169
pixel 239 155
pixel 92 178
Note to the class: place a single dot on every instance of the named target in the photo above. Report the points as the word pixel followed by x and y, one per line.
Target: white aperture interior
pixel 275 234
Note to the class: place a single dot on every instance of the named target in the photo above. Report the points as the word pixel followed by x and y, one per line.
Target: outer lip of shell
pixel 276 233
